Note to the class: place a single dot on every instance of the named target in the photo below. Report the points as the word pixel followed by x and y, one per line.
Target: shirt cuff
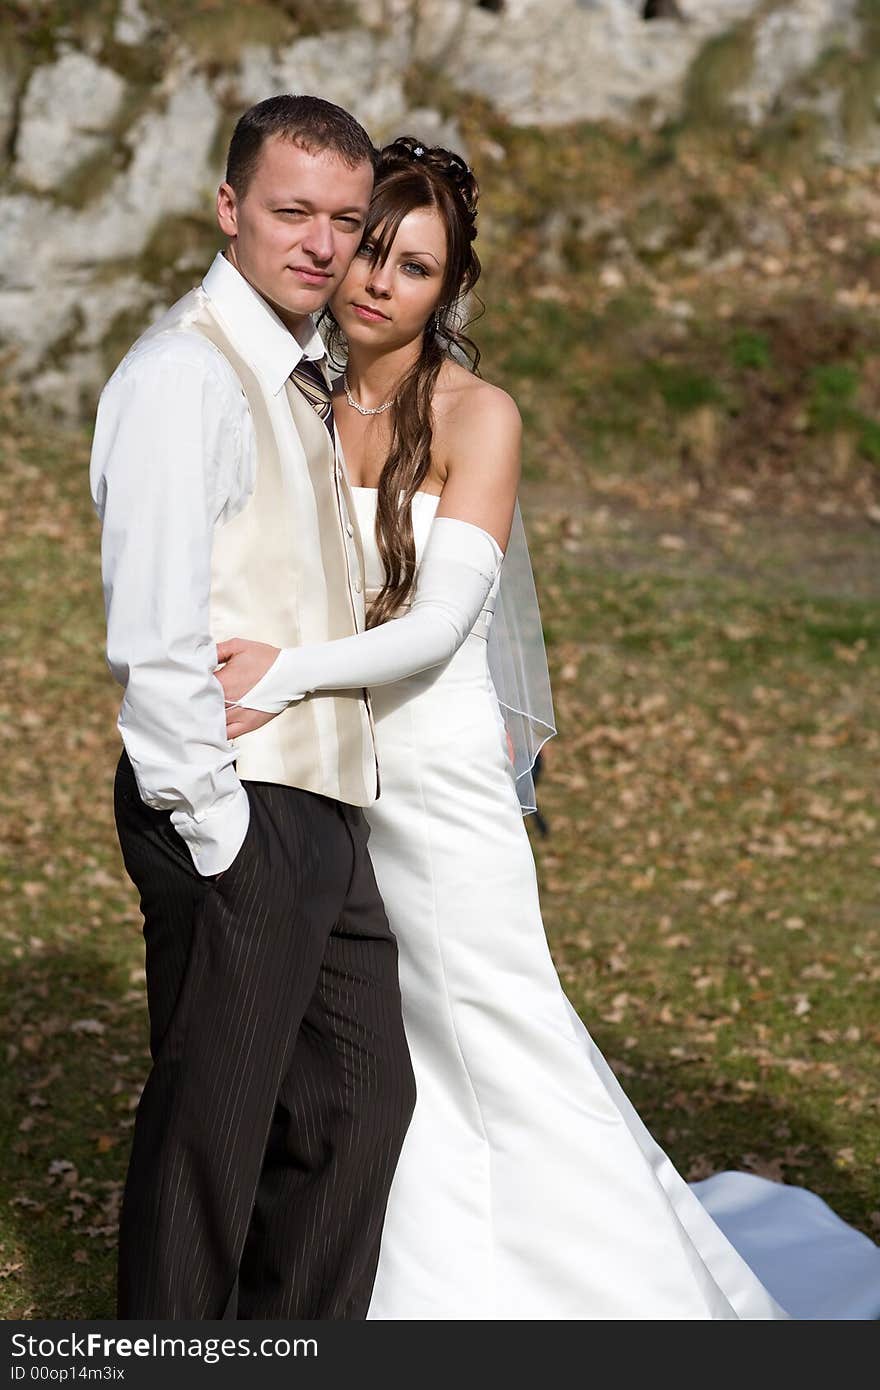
pixel 214 837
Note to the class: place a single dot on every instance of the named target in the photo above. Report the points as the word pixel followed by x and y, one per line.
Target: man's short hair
pixel 310 122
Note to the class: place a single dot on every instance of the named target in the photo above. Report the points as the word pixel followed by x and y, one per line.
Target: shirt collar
pixel 271 348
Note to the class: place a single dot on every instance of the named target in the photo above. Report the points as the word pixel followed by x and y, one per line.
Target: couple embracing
pixel 369 1095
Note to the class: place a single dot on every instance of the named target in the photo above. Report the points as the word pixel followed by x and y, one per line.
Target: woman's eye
pixel 366 248
pixel 414 268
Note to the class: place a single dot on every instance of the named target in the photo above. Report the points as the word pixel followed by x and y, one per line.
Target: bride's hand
pixel 246 663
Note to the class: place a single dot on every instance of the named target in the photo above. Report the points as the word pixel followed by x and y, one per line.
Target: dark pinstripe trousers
pixel 270 1125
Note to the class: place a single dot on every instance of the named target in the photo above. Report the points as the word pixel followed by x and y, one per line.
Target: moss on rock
pixel 723 65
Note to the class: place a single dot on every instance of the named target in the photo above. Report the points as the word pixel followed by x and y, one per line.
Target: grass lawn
pixel 709 879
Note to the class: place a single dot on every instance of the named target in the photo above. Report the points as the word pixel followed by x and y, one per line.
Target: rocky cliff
pixel 114 118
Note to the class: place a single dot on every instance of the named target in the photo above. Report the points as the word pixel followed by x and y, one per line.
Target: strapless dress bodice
pixel 424 509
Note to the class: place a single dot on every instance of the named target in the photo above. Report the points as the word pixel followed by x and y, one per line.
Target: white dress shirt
pixel 174 456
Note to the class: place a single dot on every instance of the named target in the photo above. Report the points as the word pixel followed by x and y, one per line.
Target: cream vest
pixel 288 569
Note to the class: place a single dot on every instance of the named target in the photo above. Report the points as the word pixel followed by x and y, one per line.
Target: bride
pixel 528 1188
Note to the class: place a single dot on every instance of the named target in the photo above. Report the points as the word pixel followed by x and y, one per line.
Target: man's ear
pixel 227 209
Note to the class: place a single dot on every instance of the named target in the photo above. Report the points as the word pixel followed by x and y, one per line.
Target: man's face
pixel 294 233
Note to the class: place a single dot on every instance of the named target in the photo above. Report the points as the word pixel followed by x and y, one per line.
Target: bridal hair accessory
pixel 437 160
pixel 363 409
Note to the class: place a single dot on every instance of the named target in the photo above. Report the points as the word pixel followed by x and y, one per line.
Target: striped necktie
pixel 309 379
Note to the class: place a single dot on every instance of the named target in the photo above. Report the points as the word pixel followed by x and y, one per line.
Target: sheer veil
pixel 518 663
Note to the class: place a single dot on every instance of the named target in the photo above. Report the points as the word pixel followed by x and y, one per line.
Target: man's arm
pixel 166 447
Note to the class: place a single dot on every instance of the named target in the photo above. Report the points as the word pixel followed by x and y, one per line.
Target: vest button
pixel 357 586
pixel 349 528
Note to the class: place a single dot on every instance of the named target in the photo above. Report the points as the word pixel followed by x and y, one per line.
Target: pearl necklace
pixel 364 409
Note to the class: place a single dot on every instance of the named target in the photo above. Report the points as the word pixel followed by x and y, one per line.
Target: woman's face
pixel 387 306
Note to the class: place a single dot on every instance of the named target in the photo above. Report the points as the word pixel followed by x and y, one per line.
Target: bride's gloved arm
pixel 457 571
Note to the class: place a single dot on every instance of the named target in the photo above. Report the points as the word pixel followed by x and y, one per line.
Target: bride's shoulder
pixel 466 405
pixel 477 431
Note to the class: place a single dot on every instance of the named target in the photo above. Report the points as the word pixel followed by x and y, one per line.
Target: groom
pixel 281 1088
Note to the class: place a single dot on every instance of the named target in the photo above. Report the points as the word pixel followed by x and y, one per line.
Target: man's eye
pixel 292 212
pixel 350 224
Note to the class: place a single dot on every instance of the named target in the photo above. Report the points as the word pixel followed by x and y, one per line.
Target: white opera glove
pixel 457 571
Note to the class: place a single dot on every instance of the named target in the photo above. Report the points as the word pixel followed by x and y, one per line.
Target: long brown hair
pixel 410 175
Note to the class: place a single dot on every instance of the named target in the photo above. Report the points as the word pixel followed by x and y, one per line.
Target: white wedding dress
pixel 527 1188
